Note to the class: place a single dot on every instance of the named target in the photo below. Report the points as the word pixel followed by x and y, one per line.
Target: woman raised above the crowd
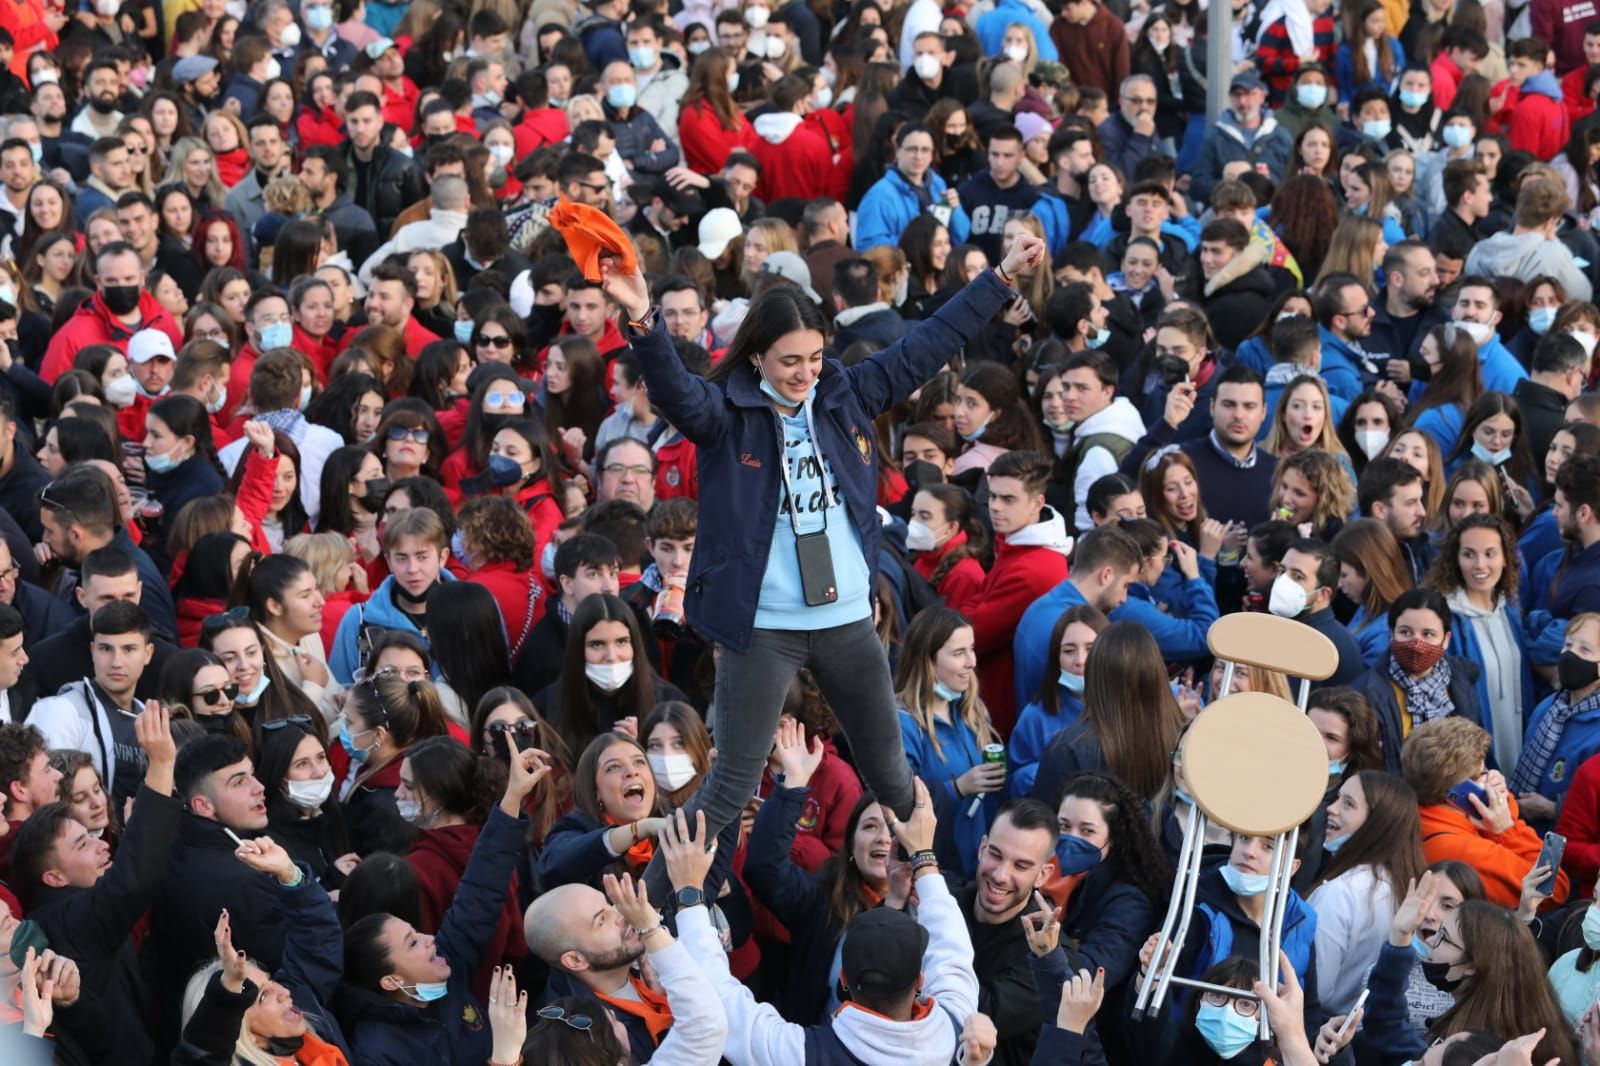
pixel 788 589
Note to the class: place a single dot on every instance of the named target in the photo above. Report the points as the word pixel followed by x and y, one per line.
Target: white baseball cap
pixel 150 344
pixel 720 226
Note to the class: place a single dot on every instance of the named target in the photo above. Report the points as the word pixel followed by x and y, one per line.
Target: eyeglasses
pixel 216 623
pixel 618 469
pixel 1245 1008
pixel 499 340
pixel 213 696
pixel 12 572
pixel 1140 99
pixel 1445 938
pixel 581 1022
pixel 412 433
pixel 299 720
pixel 1360 312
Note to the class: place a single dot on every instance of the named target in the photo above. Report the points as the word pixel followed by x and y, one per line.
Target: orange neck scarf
pixel 651 1008
pixel 641 853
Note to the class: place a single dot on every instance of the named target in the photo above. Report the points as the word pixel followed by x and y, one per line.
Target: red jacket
pixel 706 143
pixel 239 383
pixel 1446 77
pixel 400 105
pixel 334 605
pixel 520 595
pixel 545 125
pixel 319 127
pixel 835 129
pixel 130 419
pixel 1020 575
pixel 677 471
pixel 1572 95
pixel 192 613
pixel 834 790
pixel 1533 120
pixel 439 858
pixel 796 164
pixel 965 579
pixel 95 324
pixel 29 33
pixel 321 352
pixel 1580 824
pixel 453 420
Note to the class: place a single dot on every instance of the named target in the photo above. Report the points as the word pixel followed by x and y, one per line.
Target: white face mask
pixel 776 46
pixel 289 37
pixel 608 677
pixel 1480 332
pixel 920 538
pixel 409 810
pixel 121 391
pixel 1372 442
pixel 1017 53
pixel 1288 598
pixel 309 795
pixel 672 771
pixel 1585 338
pixel 274 70
pixel 757 16
pixel 927 66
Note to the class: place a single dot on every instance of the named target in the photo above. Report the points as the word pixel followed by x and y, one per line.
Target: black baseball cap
pixel 882 951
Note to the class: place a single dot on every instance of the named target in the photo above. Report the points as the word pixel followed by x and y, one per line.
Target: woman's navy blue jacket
pixel 733 427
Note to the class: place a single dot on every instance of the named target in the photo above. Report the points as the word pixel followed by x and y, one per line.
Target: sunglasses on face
pixel 211 697
pixel 415 433
pixel 499 341
pixel 496 400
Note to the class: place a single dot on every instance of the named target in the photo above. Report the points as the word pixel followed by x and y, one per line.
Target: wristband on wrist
pixel 922 860
pixel 999 272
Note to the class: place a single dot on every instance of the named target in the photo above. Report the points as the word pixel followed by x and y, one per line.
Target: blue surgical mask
pixel 1377 128
pixel 319 17
pixel 1419 947
pixel 160 463
pixel 945 692
pixel 348 743
pixel 1492 458
pixel 305 398
pixel 277 335
pixel 1540 319
pixel 251 698
pixel 779 398
pixel 1243 884
pixel 1075 855
pixel 1225 1030
pixel 458 547
pixel 220 401
pixel 464 328
pixel 1411 100
pixel 428 991
pixel 504 471
pixel 1335 767
pixel 642 57
pixel 976 435
pixel 622 97
pixel 1457 136
pixel 1331 846
pixel 1100 337
pixel 1311 96
pixel 1591 928
pixel 1073 683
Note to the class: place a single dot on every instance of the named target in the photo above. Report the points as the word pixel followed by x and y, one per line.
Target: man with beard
pixel 1405 313
pixel 1013 864
pixel 62 147
pixel 78 512
pixel 199 86
pixel 1072 152
pixel 1577 509
pixel 102 88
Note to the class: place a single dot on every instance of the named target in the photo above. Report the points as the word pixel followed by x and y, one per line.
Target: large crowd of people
pixel 599 532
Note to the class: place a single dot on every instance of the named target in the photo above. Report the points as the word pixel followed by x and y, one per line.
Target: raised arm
pixel 769 867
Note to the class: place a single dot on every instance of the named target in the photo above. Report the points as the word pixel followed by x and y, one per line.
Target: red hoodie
pixel 964 580
pixel 319 128
pixel 795 159
pixel 706 144
pixel 439 858
pixel 95 324
pixel 834 789
pixel 539 127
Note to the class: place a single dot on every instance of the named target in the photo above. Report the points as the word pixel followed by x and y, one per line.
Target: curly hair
pixel 1327 478
pixel 497 530
pixel 1445 574
pixel 1440 754
pixel 18 746
pixel 1134 854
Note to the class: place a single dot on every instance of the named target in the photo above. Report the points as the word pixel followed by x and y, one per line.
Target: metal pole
pixel 1219 58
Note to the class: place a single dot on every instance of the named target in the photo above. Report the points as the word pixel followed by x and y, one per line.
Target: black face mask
pixel 1435 974
pixel 408 600
pixel 281 1047
pixel 121 299
pixel 217 723
pixel 1574 672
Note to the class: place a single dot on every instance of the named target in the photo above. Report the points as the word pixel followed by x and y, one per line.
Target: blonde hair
pixel 245 1050
pixel 1327 440
pixel 181 150
pixel 284 195
pixel 1352 250
pixel 1327 478
pixel 930 631
pixel 888 261
pixel 327 554
pixel 441 267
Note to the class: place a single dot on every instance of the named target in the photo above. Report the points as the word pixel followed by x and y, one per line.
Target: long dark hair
pixel 1129 707
pixel 585 793
pixel 482 427
pixel 1347 425
pixel 1134 856
pixel 1050 684
pixel 186 417
pixel 1458 380
pixel 471 650
pixel 847 891
pixel 293 516
pixel 274 756
pixel 1013 426
pixel 1520 466
pixel 552 795
pixel 446 770
pixel 575 711
pixel 176 686
pixel 585 402
pixel 338 514
pixel 778 311
pixel 281 699
pixel 958 508
pixel 435 367
pixel 1390 840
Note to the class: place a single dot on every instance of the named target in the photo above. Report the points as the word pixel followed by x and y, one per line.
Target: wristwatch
pixel 689 897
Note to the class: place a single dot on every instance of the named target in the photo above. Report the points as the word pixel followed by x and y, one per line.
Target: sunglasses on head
pixel 234 616
pixel 581 1022
pixel 213 696
pixel 298 720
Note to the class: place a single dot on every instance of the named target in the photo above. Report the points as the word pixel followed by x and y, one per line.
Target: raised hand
pixel 527 768
pixel 234 963
pixel 1027 252
pixel 629 290
pixel 1422 895
pixel 1080 1000
pixel 978 1039
pixel 797 762
pixel 153 730
pixel 38 997
pixel 1041 927
pixel 508 1015
pixel 259 434
pixel 1286 1004
pixel 632 901
pixel 916 833
pixel 264 855
pixel 687 855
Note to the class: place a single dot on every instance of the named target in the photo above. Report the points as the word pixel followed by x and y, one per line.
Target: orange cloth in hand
pixel 589 232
